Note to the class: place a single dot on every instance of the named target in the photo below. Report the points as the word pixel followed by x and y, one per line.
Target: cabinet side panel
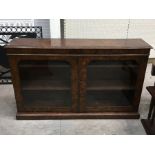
pixel 140 80
pixel 13 60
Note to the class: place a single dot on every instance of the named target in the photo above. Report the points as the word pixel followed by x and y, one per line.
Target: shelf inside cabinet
pixel 47 98
pixel 109 98
pixel 111 66
pixel 109 85
pixel 43 66
pixel 45 85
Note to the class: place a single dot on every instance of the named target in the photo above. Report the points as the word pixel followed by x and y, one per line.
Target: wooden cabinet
pixel 77 78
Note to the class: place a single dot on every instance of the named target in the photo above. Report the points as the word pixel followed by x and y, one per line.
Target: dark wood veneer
pixel 79 44
pixel 87 78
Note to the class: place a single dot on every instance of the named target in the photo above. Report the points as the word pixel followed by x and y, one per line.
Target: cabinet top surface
pixel 78 44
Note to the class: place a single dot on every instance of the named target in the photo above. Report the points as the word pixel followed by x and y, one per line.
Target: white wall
pixel 86 28
pixel 16 22
pixel 55 28
pixel 144 29
pixel 112 28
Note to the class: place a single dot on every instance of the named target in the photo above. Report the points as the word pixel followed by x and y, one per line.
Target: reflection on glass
pixel 111 83
pixel 46 83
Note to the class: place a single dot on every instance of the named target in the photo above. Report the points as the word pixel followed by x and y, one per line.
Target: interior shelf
pixel 109 85
pixel 45 85
pixel 47 98
pixel 43 66
pixel 101 98
pixel 111 66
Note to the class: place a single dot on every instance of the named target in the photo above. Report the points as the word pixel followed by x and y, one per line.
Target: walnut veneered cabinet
pixel 77 78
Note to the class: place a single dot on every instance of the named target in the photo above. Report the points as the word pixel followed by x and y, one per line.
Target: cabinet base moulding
pixel 105 115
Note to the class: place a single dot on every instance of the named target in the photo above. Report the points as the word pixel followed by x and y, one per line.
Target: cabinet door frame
pixel 83 63
pixel 72 60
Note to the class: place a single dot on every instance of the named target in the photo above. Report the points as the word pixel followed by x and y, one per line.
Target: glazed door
pixel 110 83
pixel 47 83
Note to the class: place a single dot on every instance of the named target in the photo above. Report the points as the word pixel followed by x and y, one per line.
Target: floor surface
pixel 10 126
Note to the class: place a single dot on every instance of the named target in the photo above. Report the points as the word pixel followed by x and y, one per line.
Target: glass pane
pixel 46 83
pixel 111 83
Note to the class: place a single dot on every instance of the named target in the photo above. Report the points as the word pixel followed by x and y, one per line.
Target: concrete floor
pixel 10 126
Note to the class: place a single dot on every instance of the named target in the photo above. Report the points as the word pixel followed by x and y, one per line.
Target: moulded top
pixel 78 44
